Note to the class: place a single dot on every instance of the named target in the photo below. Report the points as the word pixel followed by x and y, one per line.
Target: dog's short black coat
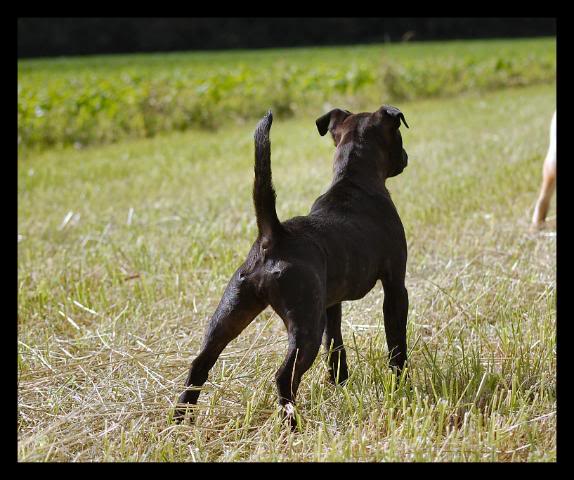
pixel 306 266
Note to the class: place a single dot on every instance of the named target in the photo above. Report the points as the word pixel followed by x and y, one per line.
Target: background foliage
pixel 104 99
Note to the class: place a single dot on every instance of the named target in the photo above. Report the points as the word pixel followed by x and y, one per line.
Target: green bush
pixel 82 102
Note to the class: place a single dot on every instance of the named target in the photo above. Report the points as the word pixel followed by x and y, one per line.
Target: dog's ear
pixel 330 120
pixel 394 113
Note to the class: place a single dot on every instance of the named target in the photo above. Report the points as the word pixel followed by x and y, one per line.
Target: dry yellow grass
pixel 124 251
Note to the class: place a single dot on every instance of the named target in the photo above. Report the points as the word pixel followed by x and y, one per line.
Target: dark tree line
pixel 79 36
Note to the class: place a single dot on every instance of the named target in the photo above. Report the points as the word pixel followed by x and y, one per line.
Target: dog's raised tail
pixel 263 191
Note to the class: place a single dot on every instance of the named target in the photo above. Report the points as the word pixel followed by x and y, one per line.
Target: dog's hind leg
pixel 304 318
pixel 238 307
pixel 333 343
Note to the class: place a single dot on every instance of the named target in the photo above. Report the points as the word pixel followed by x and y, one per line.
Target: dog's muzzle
pixel 400 165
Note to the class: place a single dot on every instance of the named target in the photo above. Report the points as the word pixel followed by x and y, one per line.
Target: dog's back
pixel 340 237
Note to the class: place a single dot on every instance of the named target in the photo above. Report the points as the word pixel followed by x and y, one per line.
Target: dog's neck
pixel 357 162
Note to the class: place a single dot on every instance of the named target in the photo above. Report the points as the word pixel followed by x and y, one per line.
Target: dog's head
pixel 379 129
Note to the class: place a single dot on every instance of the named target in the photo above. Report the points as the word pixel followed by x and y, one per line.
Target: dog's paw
pixel 340 378
pixel 290 416
pixel 548 224
pixel 179 415
pixel 400 378
pixel 537 226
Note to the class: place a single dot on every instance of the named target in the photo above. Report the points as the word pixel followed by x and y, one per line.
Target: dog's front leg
pixel 238 307
pixel 548 180
pixel 548 185
pixel 395 310
pixel 333 343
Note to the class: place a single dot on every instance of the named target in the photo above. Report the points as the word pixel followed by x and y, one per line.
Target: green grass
pixel 105 99
pixel 124 251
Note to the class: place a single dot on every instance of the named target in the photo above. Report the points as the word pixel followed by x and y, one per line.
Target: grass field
pixel 124 251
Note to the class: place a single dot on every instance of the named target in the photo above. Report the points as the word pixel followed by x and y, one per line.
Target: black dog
pixel 305 267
